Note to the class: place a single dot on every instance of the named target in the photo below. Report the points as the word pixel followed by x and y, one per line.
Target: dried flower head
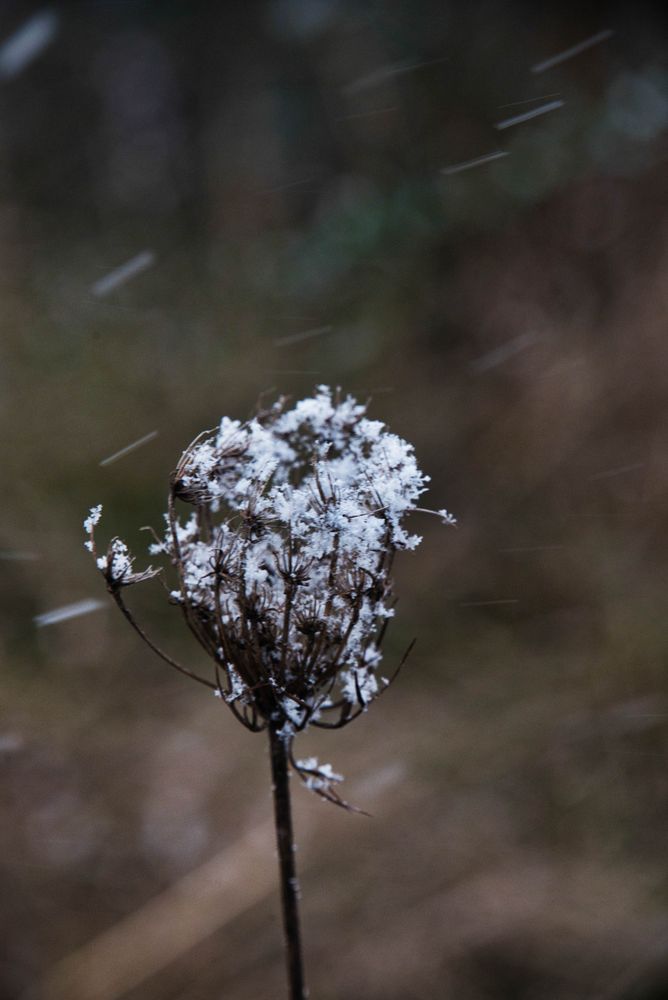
pixel 283 564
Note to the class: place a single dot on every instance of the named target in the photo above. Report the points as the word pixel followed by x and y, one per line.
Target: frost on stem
pixel 283 564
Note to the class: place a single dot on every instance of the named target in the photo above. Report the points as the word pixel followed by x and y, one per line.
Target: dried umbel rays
pixel 283 563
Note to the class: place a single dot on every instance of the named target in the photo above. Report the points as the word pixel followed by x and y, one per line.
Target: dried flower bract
pixel 283 564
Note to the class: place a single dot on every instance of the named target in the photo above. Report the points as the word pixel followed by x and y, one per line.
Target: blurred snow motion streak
pixel 457 168
pixel 609 473
pixel 124 273
pixel 286 187
pixel 129 447
pixel 383 73
pixel 68 611
pixel 27 43
pixel 295 338
pixel 574 50
pixel 527 115
pixel 488 604
pixel 294 371
pixel 502 353
pixel 530 100
pixel 520 549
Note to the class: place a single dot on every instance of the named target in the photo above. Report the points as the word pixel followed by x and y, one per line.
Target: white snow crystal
pixel 92 519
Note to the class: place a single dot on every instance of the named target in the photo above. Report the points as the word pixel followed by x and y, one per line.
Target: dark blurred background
pixel 202 202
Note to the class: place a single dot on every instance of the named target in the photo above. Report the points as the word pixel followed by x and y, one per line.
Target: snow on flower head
pixel 93 518
pixel 117 563
pixel 283 563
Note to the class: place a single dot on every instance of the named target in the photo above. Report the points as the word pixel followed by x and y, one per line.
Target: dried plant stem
pixel 286 858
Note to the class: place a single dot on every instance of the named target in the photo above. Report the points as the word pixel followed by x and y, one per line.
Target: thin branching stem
pixel 156 649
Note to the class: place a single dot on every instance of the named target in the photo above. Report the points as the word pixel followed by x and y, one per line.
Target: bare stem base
pixel 286 858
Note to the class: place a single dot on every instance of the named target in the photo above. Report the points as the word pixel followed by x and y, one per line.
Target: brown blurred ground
pixel 282 163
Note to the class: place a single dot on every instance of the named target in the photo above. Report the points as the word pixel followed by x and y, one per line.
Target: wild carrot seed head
pixel 284 562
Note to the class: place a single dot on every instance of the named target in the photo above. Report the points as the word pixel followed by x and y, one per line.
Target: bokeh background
pixel 285 170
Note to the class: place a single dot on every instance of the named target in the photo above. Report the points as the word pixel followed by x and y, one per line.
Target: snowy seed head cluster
pixel 283 563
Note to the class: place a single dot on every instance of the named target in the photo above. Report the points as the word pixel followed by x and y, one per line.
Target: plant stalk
pixel 286 858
